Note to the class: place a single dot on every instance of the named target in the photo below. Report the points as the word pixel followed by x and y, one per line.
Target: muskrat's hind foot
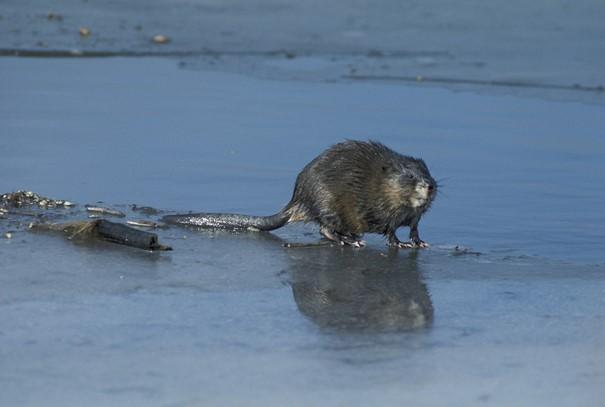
pixel 341 239
pixel 358 243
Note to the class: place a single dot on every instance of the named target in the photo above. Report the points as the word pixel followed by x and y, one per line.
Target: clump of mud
pixel 29 211
pixel 21 198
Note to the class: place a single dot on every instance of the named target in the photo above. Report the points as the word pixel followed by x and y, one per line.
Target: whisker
pixel 440 181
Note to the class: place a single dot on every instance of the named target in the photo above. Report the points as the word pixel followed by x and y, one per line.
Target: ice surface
pixel 237 319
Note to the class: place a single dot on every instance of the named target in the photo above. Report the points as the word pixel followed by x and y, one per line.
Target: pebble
pixel 54 16
pixel 161 39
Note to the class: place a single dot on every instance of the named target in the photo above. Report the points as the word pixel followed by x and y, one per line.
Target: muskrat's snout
pixel 423 192
pixel 432 189
pixel 432 186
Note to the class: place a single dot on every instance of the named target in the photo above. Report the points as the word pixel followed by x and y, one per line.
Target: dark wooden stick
pixel 122 234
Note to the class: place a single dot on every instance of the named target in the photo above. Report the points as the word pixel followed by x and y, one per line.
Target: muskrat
pixel 352 188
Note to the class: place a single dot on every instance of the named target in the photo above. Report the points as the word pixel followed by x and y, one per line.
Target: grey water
pixel 507 307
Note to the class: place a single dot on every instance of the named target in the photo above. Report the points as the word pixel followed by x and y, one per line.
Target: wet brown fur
pixel 357 187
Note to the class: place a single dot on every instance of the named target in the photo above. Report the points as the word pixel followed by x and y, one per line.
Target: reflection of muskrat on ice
pixel 366 292
pixel 351 188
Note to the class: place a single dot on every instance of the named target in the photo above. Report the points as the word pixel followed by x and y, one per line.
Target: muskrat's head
pixel 418 188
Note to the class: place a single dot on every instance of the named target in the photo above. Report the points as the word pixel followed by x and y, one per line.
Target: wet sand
pixel 236 318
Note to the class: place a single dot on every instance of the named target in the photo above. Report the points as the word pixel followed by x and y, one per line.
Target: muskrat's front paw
pixel 422 244
pixel 412 244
